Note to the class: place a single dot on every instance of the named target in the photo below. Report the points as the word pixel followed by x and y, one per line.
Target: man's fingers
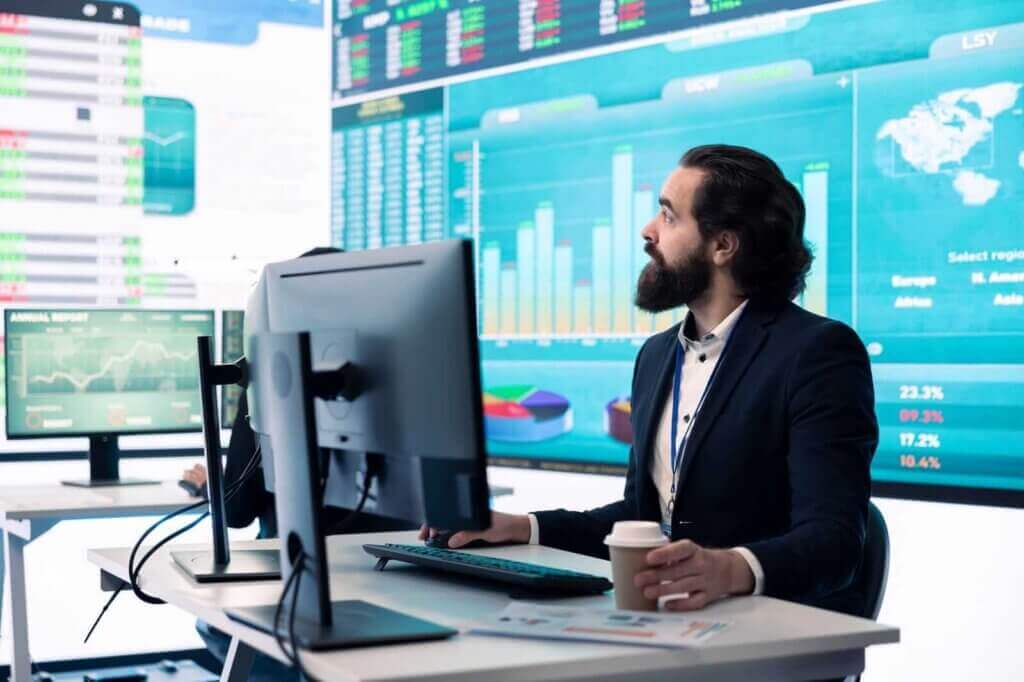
pixel 694 564
pixel 691 584
pixel 666 574
pixel 680 550
pixel 462 537
pixel 692 602
pixel 427 532
pixel 457 540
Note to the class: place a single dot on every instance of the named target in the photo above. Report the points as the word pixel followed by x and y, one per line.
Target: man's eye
pixel 666 216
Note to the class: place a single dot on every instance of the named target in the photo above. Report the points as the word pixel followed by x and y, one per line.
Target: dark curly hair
pixel 745 191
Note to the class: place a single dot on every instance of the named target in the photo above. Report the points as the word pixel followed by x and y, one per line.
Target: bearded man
pixel 753 420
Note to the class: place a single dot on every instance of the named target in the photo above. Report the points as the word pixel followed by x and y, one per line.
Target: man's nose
pixel 649 233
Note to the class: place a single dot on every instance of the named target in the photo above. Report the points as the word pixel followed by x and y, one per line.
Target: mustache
pixel 651 250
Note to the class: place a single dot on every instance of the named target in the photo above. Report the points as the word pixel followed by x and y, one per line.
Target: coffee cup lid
pixel 635 534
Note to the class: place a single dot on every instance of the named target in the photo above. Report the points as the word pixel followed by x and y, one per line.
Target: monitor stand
pixel 352 623
pixel 244 564
pixel 104 465
pixel 220 564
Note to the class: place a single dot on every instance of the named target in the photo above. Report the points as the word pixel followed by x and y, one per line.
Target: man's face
pixel 679 270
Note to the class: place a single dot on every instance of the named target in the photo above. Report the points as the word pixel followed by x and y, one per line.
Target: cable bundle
pixel 134 571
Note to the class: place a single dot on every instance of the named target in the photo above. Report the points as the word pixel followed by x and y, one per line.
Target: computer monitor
pixel 407 317
pixel 393 334
pixel 102 374
pixel 232 347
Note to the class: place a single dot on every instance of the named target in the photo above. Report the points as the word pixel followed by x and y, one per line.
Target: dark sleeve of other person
pixel 252 500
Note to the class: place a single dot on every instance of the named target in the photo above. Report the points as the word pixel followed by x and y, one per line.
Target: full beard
pixel 663 287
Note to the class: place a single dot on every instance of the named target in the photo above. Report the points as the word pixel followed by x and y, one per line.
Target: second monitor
pixel 102 374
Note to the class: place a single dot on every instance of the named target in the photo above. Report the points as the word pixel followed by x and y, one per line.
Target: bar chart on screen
pixel 557 193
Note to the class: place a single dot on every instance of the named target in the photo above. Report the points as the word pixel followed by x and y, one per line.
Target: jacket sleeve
pixel 584 532
pixel 251 499
pixel 833 435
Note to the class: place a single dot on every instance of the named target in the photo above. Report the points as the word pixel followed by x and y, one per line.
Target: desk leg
pixel 238 662
pixel 14 554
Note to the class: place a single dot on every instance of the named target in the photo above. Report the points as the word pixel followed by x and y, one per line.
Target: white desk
pixel 770 640
pixel 27 512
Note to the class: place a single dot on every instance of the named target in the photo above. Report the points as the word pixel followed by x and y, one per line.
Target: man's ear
pixel 724 246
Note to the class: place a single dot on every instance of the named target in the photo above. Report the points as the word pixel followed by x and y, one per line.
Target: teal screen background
pixel 103 371
pixel 169 156
pixel 902 124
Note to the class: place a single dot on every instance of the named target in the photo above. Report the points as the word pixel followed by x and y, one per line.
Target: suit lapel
pixel 648 428
pixel 747 339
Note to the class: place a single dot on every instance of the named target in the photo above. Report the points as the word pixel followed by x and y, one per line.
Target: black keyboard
pixel 534 578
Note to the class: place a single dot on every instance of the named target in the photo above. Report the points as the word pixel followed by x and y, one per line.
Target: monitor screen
pixel 900 126
pixel 232 347
pixel 86 372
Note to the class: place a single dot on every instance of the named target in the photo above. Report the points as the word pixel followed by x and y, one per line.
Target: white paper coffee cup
pixel 628 544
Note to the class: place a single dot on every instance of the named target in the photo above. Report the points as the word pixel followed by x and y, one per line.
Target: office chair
pixel 874 568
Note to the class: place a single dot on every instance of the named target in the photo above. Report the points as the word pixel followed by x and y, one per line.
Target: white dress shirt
pixel 699 362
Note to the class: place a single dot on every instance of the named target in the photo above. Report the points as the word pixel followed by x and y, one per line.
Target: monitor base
pixel 103 483
pixel 355 623
pixel 247 564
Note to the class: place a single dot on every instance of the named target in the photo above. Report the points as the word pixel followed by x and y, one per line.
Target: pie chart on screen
pixel 616 420
pixel 525 414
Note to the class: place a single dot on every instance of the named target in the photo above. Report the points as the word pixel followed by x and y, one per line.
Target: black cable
pixel 230 493
pixel 100 617
pixel 350 518
pixel 299 566
pixel 280 607
pixel 133 571
pixel 293 656
pixel 297 662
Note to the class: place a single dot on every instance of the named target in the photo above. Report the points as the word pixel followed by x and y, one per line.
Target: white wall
pixel 956 579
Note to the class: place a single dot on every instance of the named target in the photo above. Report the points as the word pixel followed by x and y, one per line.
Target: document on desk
pixel 645 628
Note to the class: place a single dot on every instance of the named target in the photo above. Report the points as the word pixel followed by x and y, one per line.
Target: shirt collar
pixel 719 334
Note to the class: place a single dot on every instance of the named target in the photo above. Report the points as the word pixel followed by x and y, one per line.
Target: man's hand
pixel 196 475
pixel 504 528
pixel 699 575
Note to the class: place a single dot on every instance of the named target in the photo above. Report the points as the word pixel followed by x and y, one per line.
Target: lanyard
pixel 680 450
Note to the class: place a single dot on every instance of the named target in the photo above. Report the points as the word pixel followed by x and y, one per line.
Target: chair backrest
pixel 874 571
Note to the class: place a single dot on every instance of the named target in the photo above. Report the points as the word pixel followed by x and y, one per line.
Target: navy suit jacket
pixel 778 459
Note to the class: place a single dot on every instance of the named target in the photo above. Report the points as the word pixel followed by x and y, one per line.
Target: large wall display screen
pixel 899 121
